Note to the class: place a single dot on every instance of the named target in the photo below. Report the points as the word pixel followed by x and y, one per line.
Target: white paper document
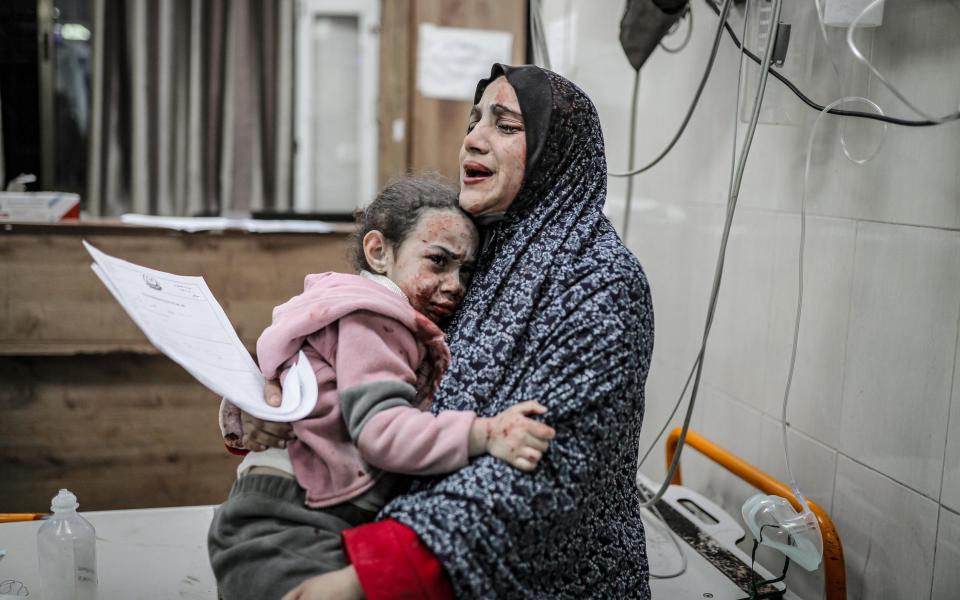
pixel 182 318
pixel 450 60
pixel 193 224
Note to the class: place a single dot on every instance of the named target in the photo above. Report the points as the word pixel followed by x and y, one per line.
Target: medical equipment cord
pixel 896 92
pixel 843 92
pixel 793 88
pixel 696 97
pixel 737 179
pixel 843 113
pixel 796 325
pixel 733 159
pixel 878 116
pixel 670 534
pixel 754 593
pixel 688 15
pixel 631 152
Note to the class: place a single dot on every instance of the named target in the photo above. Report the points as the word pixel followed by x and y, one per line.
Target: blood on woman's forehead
pixel 505 95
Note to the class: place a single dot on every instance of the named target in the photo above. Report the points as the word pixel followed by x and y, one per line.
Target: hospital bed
pixel 160 553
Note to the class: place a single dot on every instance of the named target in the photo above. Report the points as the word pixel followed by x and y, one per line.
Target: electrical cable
pixel 671 535
pixel 733 158
pixel 793 88
pixel 688 13
pixel 696 97
pixel 631 152
pixel 754 593
pixel 737 180
pixel 818 107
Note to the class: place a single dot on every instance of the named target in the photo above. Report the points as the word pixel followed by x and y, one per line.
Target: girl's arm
pixel 243 432
pixel 376 362
pixel 403 439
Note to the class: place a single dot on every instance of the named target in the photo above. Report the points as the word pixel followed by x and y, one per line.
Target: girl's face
pixel 494 152
pixel 434 263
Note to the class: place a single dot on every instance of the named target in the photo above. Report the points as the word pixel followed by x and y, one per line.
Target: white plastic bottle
pixel 66 549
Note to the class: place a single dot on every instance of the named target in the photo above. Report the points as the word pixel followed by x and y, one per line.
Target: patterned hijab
pixel 559 312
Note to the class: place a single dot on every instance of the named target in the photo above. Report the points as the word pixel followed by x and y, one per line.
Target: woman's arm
pixel 498 531
pixel 337 585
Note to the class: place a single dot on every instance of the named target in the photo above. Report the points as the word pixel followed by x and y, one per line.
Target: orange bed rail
pixel 835 575
pixel 15 517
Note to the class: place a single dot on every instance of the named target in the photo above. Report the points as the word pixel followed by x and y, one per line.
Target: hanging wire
pixel 631 152
pixel 670 534
pixel 736 182
pixel 733 159
pixel 893 89
pixel 688 15
pixel 796 325
pixel 696 97
pixel 835 111
pixel 796 91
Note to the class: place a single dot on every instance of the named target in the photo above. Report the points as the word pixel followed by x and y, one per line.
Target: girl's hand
pixel 512 436
pixel 259 434
pixel 336 585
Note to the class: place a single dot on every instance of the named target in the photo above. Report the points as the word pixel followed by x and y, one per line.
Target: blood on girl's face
pixel 434 263
pixel 494 151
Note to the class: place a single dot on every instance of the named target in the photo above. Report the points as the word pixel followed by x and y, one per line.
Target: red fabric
pixel 392 562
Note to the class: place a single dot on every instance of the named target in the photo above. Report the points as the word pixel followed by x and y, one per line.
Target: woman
pixel 559 311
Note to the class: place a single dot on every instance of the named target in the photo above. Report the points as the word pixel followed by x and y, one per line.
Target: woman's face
pixel 494 152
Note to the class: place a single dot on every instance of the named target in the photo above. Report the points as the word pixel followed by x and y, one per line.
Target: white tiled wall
pixel 946 575
pixel 875 403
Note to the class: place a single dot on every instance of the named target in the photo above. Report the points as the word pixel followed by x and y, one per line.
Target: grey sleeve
pixel 359 404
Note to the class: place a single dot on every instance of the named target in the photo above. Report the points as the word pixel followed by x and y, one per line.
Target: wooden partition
pixel 432 129
pixel 86 401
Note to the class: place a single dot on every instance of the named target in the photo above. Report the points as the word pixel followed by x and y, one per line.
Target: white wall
pixel 875 408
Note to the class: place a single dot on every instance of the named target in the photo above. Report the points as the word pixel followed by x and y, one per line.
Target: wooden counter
pixel 86 402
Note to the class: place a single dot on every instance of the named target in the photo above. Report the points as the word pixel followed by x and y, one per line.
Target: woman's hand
pixel 259 434
pixel 512 436
pixel 337 585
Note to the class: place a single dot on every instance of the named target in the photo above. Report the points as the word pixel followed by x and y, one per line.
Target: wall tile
pixel 736 354
pixel 677 246
pixel 888 533
pixel 816 392
pixel 913 51
pixel 734 426
pixel 814 466
pixel 900 351
pixel 946 575
pixel 951 472
pixel 813 463
pixel 663 388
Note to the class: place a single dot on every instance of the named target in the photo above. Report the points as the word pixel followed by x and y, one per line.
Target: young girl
pixel 378 354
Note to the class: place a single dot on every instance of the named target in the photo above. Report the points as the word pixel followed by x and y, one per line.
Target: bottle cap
pixel 65 500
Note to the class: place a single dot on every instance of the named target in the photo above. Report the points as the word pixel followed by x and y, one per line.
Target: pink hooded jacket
pixel 378 362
